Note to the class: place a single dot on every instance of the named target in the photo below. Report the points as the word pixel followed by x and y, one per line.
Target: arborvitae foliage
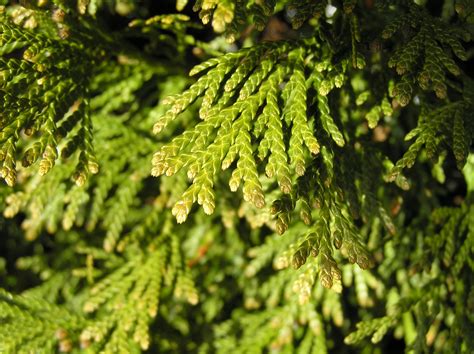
pixel 236 176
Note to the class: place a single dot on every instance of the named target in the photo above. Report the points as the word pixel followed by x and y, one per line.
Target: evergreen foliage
pixel 287 122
